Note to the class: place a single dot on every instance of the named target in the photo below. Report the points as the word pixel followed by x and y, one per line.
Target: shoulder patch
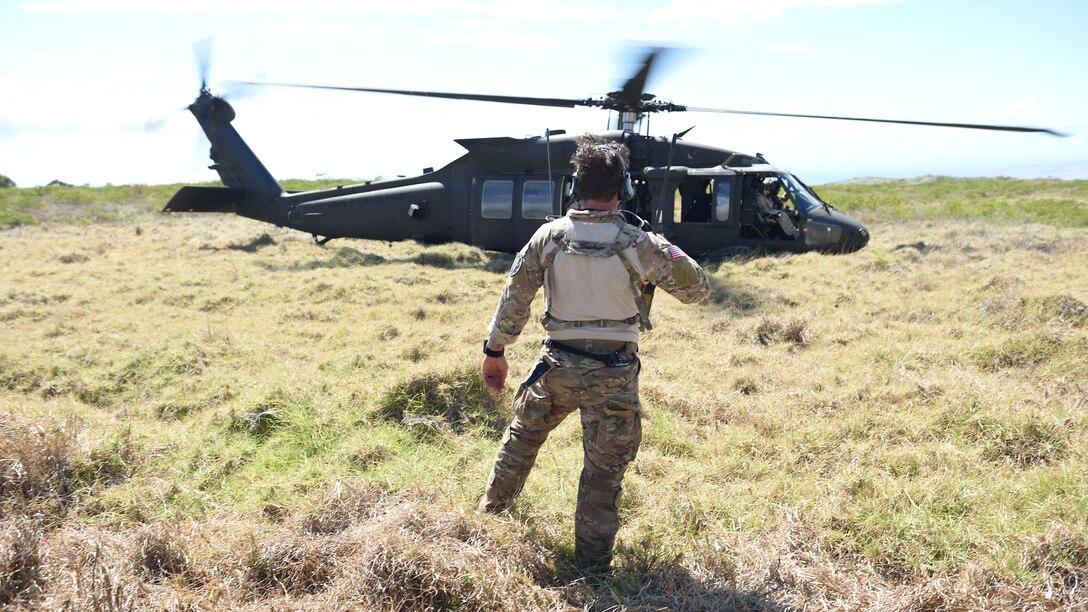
pixel 516 266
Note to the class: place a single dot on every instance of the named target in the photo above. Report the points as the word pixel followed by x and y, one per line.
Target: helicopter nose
pixel 855 238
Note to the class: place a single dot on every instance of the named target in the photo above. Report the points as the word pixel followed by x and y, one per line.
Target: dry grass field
pixel 204 412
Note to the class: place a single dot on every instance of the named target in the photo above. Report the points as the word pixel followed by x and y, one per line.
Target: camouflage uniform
pixel 594 254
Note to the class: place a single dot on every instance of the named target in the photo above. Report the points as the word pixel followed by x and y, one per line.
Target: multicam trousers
pixel 560 383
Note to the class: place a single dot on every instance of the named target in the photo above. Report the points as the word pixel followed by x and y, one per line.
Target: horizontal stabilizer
pixel 205 199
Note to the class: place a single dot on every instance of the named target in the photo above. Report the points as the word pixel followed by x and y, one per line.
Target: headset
pixel 625 189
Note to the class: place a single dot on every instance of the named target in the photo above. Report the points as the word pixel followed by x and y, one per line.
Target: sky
pixel 83 79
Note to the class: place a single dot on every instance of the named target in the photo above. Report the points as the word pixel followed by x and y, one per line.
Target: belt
pixel 616 359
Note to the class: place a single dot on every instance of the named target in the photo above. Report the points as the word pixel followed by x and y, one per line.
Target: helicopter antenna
pixel 665 183
pixel 551 185
pixel 668 170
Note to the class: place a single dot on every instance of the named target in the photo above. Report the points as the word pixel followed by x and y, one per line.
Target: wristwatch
pixel 490 353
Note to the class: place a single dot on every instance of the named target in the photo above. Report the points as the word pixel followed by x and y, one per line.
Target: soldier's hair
pixel 600 164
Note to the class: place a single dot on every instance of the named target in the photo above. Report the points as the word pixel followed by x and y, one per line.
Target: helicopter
pixel 701 198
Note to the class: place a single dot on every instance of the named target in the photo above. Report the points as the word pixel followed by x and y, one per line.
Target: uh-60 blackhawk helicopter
pixel 496 195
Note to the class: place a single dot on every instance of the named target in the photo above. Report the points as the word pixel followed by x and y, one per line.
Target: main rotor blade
pixel 970 126
pixel 557 102
pixel 631 94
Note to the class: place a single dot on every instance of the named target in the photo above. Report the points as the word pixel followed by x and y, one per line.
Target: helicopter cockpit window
pixel 723 191
pixel 536 199
pixel 803 199
pixel 497 200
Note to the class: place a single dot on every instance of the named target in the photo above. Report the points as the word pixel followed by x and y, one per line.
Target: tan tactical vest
pixel 581 263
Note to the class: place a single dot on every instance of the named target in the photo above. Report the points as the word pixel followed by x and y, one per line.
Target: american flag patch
pixel 675 252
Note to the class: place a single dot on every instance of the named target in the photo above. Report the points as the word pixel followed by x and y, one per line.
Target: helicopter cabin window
pixel 692 202
pixel 723 190
pixel 497 199
pixel 536 199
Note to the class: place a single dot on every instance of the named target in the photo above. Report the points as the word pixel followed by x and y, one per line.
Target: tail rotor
pixel 202 53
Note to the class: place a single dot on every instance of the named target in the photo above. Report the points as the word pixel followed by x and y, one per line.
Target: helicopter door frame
pixel 690 210
pixel 730 201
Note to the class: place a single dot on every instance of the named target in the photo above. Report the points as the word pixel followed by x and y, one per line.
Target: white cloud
pixel 220 7
pixel 316 30
pixel 505 41
pixel 507 11
pixel 796 47
pixel 514 11
pixel 1023 104
pixel 732 12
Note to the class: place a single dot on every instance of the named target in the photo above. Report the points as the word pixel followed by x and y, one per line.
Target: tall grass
pixel 203 411
pixel 81 204
pixel 1053 202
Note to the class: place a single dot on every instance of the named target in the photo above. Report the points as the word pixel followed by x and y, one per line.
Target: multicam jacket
pixel 593 267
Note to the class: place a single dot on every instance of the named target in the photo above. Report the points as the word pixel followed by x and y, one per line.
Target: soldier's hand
pixel 494 371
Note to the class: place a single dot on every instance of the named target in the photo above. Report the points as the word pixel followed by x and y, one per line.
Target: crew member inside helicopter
pixel 770 210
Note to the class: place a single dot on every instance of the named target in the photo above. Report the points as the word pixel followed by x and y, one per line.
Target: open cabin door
pixel 697 209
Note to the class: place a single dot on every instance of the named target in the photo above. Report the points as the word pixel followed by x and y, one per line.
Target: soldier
pixel 770 208
pixel 594 268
